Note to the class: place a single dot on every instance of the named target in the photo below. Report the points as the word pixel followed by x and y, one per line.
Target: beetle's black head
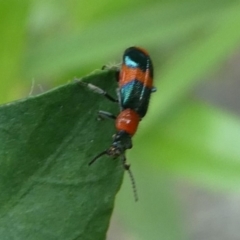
pixel 121 142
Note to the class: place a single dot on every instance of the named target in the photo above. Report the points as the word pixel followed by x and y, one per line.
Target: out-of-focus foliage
pixel 50 42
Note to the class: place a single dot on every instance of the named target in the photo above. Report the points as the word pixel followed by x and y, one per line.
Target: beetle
pixel 135 86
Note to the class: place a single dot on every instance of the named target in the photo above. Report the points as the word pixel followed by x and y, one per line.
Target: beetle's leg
pixel 154 89
pixel 96 89
pixel 101 92
pixel 102 115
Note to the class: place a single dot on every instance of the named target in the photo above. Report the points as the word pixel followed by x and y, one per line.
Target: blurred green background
pixel 186 155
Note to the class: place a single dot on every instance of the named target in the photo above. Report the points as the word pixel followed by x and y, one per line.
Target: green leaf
pixel 48 191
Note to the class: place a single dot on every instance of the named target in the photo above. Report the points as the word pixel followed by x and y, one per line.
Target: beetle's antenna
pixel 97 157
pixel 133 184
pixel 127 168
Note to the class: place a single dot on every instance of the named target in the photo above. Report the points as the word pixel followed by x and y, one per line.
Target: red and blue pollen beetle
pixel 135 85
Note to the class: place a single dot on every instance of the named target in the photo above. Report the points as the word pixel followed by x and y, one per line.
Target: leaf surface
pixel 48 191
